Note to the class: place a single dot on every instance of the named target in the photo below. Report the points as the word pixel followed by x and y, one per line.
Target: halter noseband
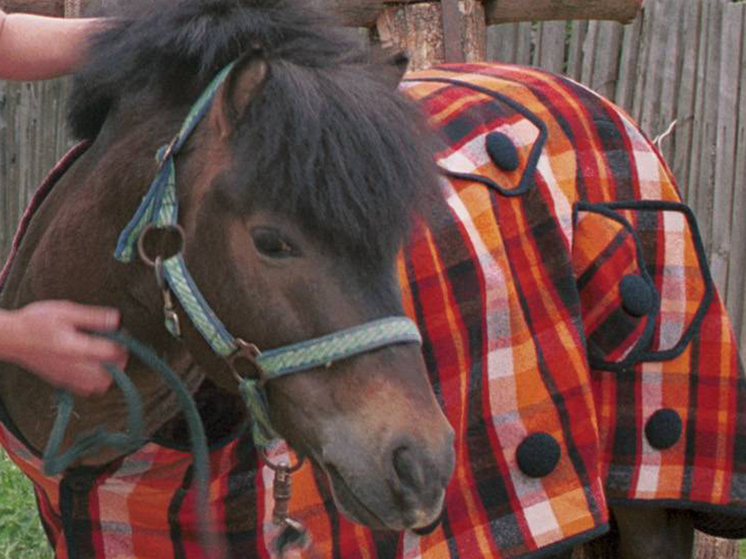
pixel 159 209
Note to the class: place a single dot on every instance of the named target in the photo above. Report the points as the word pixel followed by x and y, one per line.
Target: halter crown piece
pixel 159 209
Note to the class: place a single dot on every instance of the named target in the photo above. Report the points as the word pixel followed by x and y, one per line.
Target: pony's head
pixel 296 191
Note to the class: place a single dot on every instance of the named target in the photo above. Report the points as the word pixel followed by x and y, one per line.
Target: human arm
pixel 49 338
pixel 37 47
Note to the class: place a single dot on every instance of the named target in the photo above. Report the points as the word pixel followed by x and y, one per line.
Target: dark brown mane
pixel 328 141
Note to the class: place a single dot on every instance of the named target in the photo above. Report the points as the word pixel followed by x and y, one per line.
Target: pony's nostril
pixel 409 469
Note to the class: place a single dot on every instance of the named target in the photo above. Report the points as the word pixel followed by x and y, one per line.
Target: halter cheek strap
pixel 159 209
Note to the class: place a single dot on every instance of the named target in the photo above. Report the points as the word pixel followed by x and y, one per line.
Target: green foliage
pixel 21 534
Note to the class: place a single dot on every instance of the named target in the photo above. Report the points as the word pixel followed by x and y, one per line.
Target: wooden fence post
pixel 707 547
pixel 435 32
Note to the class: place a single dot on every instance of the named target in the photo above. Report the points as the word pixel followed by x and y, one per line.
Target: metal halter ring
pixel 176 234
pixel 246 353
pixel 283 466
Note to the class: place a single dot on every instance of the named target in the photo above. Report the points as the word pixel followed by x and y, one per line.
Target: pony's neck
pixel 74 233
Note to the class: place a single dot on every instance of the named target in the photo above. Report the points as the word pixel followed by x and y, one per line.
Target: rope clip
pixel 292 532
pixel 166 242
pixel 169 311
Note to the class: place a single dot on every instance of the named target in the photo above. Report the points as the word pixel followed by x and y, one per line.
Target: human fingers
pixel 86 379
pixel 89 347
pixel 90 317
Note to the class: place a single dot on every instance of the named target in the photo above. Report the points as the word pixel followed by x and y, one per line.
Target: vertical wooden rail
pixel 420 29
pixel 72 8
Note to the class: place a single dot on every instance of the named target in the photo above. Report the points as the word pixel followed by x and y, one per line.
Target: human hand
pixel 50 339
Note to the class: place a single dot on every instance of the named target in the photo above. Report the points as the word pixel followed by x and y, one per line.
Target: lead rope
pixel 292 534
pixel 55 463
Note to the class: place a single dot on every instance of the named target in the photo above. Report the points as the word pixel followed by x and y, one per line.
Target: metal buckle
pixel 246 354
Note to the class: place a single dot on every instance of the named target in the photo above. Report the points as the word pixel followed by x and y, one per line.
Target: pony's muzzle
pixel 418 477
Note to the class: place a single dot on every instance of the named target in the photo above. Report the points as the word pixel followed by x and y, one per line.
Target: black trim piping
pixel 596 361
pixel 526 182
pixel 607 209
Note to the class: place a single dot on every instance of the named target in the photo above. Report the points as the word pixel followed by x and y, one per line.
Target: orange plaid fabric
pixel 572 334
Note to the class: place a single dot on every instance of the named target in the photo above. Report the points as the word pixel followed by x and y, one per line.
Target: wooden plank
pixel 670 78
pixel 606 53
pixel 589 58
pixel 418 29
pixel 644 69
pixel 685 106
pixel 578 31
pixel 473 29
pixel 452 38
pixel 503 11
pixel 737 268
pixel 725 149
pixel 509 42
pixel 525 43
pixel 708 118
pixel 502 42
pixel 353 13
pixel 364 13
pixel 33 136
pixel 551 45
pixel 698 143
pixel 648 103
pixel 628 58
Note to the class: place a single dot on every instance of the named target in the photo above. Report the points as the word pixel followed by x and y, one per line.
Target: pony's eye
pixel 270 242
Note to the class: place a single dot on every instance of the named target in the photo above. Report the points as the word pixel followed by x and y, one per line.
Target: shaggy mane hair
pixel 328 140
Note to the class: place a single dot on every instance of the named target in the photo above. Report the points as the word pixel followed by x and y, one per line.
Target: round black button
pixel 636 294
pixel 663 429
pixel 502 151
pixel 538 455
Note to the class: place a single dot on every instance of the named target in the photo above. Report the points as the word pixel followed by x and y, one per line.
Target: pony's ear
pixel 392 67
pixel 239 88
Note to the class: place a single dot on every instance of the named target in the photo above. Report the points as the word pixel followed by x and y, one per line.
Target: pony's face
pixel 371 422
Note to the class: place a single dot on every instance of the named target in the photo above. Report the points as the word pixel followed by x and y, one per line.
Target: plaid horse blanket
pixel 571 329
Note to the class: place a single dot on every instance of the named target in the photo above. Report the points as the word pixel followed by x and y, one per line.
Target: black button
pixel 636 294
pixel 538 455
pixel 663 429
pixel 502 150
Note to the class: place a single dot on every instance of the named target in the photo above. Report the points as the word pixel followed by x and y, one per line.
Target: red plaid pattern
pixel 515 282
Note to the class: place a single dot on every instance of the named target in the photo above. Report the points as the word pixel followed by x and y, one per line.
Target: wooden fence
pixel 33 137
pixel 679 61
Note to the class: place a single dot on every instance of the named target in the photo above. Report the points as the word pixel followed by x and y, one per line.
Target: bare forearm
pixel 36 47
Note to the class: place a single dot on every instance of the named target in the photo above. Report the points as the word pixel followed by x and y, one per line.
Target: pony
pixel 571 334
pixel 295 193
